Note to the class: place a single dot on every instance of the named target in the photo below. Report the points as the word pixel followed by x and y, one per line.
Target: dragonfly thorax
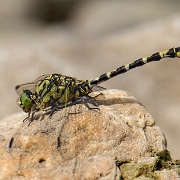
pixel 51 91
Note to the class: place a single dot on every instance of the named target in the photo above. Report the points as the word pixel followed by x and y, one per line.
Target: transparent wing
pixel 98 88
pixel 30 86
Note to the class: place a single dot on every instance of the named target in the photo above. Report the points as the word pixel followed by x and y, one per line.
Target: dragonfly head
pixel 25 101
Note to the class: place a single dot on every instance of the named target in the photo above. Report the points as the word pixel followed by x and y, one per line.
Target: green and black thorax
pixel 51 89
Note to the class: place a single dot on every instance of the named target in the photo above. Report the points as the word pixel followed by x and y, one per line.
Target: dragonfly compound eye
pixel 25 101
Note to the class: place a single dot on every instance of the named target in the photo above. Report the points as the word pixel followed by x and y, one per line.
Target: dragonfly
pixel 52 92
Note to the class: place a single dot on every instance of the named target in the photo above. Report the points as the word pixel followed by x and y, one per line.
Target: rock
pixel 118 141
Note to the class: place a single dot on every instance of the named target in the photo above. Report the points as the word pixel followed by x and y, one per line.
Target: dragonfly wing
pixel 40 78
pixel 98 88
pixel 29 86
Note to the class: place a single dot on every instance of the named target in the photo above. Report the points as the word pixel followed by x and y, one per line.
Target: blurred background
pixel 85 38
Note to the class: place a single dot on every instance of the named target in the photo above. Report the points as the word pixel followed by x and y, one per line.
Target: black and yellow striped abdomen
pixel 170 53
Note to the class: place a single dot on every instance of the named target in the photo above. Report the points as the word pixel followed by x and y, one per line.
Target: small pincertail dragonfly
pixel 56 91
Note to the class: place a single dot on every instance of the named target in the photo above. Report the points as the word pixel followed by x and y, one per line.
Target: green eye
pixel 25 101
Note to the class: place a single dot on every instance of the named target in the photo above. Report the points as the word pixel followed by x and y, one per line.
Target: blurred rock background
pixel 85 38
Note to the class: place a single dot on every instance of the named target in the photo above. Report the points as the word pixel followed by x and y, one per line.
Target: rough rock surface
pixel 119 141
